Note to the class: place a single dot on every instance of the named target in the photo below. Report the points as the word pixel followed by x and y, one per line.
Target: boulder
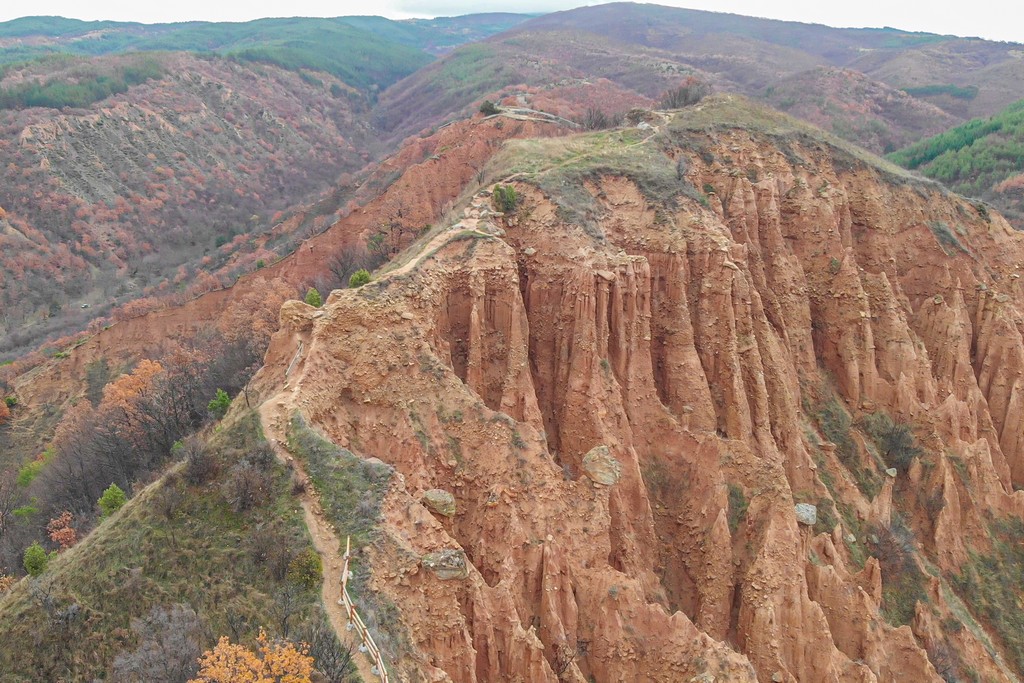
pixel 447 564
pixel 601 466
pixel 891 472
pixel 440 501
pixel 806 513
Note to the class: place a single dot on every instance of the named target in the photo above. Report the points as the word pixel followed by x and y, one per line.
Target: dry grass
pixel 172 543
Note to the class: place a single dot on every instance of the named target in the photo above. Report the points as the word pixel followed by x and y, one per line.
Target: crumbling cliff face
pixel 627 411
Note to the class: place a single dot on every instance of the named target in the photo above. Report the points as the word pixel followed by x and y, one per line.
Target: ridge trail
pixel 274 418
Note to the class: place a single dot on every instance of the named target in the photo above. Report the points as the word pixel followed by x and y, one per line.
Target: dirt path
pixel 274 414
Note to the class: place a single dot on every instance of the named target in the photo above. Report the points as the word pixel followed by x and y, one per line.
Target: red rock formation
pixel 689 345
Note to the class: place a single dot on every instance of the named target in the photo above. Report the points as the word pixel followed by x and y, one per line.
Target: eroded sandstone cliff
pixel 712 341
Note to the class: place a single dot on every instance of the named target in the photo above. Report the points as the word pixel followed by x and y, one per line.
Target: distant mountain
pixel 983 158
pixel 731 45
pixel 363 51
pixel 848 103
pixel 647 49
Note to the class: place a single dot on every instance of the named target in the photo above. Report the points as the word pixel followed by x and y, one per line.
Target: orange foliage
pixel 202 283
pixel 122 392
pixel 124 395
pixel 6 581
pixel 271 663
pixel 5 412
pixel 61 532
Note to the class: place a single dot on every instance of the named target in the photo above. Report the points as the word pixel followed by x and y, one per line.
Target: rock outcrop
pixel 703 343
pixel 440 501
pixel 806 514
pixel 601 466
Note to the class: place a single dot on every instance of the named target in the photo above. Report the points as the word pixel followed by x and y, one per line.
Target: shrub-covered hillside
pixel 216 547
pixel 983 158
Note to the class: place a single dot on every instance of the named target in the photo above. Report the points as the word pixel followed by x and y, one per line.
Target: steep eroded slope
pixel 628 384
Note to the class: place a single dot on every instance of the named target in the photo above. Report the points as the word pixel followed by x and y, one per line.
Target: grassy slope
pixel 202 554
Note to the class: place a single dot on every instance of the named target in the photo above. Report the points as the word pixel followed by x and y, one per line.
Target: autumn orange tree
pixel 61 532
pixel 272 662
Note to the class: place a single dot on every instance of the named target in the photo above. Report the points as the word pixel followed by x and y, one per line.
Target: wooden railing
pixel 356 622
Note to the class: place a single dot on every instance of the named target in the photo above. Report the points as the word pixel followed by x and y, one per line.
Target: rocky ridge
pixel 691 343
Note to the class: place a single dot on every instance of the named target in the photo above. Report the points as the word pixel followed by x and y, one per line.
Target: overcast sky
pixel 992 19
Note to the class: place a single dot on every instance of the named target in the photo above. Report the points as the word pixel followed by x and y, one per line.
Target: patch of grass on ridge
pixel 351 491
pixel 561 167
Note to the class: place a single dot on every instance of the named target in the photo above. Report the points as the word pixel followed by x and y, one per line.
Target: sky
pixel 992 19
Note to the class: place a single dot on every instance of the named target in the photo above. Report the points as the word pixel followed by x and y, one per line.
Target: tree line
pixel 57 93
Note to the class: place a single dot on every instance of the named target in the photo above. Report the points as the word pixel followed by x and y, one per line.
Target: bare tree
pixel 170 643
pixel 332 659
pixel 566 654
pixel 287 604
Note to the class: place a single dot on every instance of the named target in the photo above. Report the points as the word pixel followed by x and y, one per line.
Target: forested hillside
pixel 159 190
pixel 147 163
pixel 983 158
pixel 363 51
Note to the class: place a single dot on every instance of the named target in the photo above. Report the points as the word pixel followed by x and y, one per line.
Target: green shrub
pixel 836 425
pixel 35 559
pixel 261 264
pixel 505 198
pixel 947 240
pixel 313 298
pixel 489 108
pixel 737 507
pixel 826 520
pixel 991 585
pixel 26 511
pixel 359 278
pixel 903 582
pixel 218 407
pixel 28 472
pixel 306 570
pixel 112 500
pixel 895 441
pixel 11 401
